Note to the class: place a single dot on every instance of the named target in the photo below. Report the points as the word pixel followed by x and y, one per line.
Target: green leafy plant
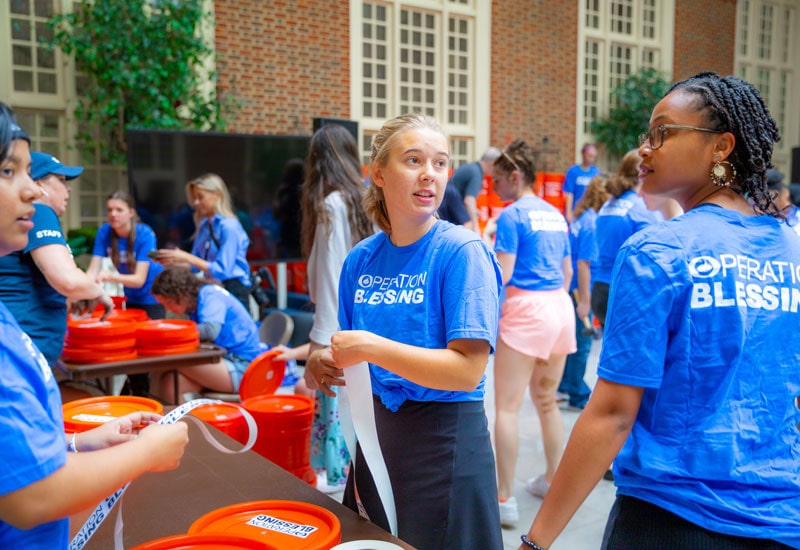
pixel 141 63
pixel 632 102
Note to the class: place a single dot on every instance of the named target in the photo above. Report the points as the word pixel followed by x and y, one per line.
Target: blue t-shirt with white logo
pixel 144 242
pixel 619 218
pixel 443 287
pixel 583 242
pixel 704 314
pixel 576 180
pixel 31 431
pixel 239 334
pixel 38 308
pixel 538 234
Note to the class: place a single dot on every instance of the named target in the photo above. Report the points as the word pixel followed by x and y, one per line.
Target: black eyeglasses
pixel 655 136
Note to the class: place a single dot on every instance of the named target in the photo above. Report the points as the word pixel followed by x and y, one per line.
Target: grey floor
pixel 585 531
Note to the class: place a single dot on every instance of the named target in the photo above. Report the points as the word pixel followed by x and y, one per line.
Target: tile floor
pixel 585 531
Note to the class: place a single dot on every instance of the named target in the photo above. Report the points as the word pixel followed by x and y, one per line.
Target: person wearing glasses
pixel 37 281
pixel 537 322
pixel 698 386
pixel 622 215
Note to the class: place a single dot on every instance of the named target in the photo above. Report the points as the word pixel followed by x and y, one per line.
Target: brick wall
pixel 288 61
pixel 705 34
pixel 534 76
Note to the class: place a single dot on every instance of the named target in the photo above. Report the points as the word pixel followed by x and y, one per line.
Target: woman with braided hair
pixel 697 396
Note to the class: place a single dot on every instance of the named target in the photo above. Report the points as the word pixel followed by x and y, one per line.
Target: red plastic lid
pixel 263 375
pixel 92 328
pixel 204 541
pixel 177 349
pixel 92 356
pixel 284 524
pixel 111 344
pixel 284 404
pixel 217 412
pixel 84 414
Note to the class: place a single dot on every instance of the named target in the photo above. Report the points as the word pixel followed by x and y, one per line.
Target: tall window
pixel 41 88
pixel 618 37
pixel 421 58
pixel 768 55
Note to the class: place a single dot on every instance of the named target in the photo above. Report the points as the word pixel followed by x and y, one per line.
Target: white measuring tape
pixel 104 508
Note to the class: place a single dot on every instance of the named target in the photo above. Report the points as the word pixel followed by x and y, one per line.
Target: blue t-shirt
pixel 577 180
pixel 31 431
pixel 239 334
pixel 618 219
pixel 468 179
pixel 443 287
pixel 704 313
pixel 145 241
pixel 223 244
pixel 583 242
pixel 37 307
pixel 539 236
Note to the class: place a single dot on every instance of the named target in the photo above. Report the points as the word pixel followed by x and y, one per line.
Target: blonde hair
pixel 382 143
pixel 594 197
pixel 213 184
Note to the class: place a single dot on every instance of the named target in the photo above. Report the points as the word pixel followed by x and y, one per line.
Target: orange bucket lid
pixel 177 349
pixel 263 375
pixel 88 355
pixel 285 404
pixel 284 524
pixel 133 315
pixel 209 541
pixel 219 412
pixel 84 414
pixel 92 328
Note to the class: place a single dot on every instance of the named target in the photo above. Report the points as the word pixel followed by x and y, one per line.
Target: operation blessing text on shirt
pixel 401 288
pixel 766 285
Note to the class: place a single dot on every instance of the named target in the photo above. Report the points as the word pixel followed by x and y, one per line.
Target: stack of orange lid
pixel 94 341
pixel 84 414
pixel 167 337
pixel 284 524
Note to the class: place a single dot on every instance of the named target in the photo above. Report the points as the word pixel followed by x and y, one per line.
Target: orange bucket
pixel 284 428
pixel 226 418
pixel 210 541
pixel 84 414
pixel 284 524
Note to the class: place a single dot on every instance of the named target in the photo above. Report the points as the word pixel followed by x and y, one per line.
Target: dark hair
pixel 518 155
pixel 332 165
pixel 127 198
pixel 627 175
pixel 733 105
pixel 9 131
pixel 177 282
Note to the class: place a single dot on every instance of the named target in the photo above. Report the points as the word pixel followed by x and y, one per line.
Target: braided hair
pixel 734 105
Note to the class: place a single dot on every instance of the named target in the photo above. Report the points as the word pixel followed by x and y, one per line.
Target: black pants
pixel 600 302
pixel 635 524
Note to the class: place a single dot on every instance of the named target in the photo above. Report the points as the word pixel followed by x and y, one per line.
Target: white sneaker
pixel 509 513
pixel 537 486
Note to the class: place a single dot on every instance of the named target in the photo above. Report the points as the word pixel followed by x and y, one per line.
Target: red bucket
pixel 226 418
pixel 284 428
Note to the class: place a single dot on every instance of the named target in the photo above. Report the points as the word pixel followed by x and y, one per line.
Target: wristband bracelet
pixel 72 446
pixel 529 543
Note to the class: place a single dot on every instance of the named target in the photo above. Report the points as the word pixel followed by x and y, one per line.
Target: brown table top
pixel 205 353
pixel 163 504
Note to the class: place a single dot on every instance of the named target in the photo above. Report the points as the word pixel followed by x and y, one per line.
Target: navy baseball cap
pixel 43 164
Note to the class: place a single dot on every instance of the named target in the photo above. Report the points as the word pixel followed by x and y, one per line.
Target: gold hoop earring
pixel 719 173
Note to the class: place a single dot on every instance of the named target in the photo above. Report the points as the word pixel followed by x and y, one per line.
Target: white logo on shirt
pixel 547 221
pixel 743 281
pixel 48 233
pixel 37 357
pixel 400 289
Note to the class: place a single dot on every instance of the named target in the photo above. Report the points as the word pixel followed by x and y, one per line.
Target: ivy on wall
pixel 145 65
pixel 632 102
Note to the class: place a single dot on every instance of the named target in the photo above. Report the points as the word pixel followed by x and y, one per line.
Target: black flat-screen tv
pixel 263 174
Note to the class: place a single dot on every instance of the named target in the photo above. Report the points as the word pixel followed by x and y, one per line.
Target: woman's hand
pixel 321 372
pixel 172 256
pixel 104 276
pixel 350 347
pixel 114 432
pixel 168 442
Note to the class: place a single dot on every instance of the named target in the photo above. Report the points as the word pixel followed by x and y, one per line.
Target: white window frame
pixel 771 62
pixel 469 139
pixel 662 46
